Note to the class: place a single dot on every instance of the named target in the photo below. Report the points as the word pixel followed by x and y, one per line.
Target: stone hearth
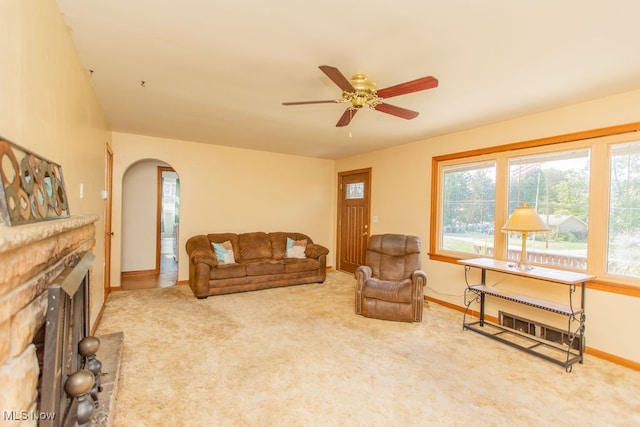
pixel 32 256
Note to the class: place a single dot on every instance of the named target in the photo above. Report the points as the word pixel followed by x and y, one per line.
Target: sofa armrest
pixel 204 256
pixel 315 250
pixel 200 251
pixel 201 261
pixel 197 242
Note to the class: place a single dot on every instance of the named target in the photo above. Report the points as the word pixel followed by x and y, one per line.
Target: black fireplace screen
pixel 67 323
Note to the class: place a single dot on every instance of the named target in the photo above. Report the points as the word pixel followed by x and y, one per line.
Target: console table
pixel 560 354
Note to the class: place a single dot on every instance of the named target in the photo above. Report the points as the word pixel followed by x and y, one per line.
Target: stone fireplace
pixel 33 258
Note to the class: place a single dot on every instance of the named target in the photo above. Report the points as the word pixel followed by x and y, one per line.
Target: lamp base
pixel 524 266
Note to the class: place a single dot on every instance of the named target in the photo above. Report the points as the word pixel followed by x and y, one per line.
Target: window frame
pixel 598 141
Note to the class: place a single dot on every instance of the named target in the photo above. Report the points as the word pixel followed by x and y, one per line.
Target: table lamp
pixel 525 220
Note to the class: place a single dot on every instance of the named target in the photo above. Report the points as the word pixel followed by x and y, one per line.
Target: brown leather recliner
pixel 390 285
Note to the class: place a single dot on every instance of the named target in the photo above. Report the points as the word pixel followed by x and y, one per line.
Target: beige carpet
pixel 299 356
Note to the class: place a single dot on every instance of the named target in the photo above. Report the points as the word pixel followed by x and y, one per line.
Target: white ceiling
pixel 217 71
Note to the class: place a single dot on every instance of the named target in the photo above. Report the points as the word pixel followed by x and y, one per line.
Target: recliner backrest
pixel 393 257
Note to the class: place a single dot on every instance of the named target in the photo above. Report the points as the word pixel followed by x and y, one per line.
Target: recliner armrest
pixel 419 277
pixel 363 272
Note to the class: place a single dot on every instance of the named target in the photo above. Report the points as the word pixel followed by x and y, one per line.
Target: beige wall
pixel 48 106
pixel 228 189
pixel 401 177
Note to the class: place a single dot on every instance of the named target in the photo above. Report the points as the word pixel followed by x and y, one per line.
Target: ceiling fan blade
pixel 337 77
pixel 309 102
pixel 346 117
pixel 423 83
pixel 397 111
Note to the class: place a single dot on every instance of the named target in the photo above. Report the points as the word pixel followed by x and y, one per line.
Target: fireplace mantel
pixel 18 236
pixel 44 247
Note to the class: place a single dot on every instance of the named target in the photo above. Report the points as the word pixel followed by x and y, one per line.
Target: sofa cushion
pixel 279 242
pixel 296 248
pixel 254 246
pixel 224 252
pixel 227 271
pixel 223 237
pixel 297 265
pixel 263 267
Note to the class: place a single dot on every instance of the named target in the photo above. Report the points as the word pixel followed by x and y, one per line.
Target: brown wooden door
pixel 108 233
pixel 354 189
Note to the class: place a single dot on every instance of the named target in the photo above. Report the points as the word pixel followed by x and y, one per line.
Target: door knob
pixel 111 233
pixel 365 234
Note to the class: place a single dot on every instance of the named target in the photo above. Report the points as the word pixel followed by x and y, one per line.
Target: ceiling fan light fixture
pixel 361 83
pixel 364 93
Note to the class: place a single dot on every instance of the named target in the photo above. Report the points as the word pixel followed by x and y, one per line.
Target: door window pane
pixel 624 210
pixel 557 186
pixel 355 190
pixel 468 208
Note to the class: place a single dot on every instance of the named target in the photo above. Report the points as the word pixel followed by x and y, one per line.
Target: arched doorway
pixel 150 225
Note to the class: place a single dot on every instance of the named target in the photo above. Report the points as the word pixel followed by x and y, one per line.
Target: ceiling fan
pixel 360 91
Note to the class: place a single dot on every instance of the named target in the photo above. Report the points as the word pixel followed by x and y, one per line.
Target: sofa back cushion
pixel 279 242
pixel 254 246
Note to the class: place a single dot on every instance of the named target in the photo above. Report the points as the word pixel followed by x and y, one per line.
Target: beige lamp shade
pixel 525 219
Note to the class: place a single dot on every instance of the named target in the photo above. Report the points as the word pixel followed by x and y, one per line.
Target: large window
pixel 623 252
pixel 585 186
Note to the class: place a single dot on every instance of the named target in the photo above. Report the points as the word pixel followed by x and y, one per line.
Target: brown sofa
pixel 260 262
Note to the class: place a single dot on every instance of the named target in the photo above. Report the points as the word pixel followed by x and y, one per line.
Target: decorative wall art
pixel 32 188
